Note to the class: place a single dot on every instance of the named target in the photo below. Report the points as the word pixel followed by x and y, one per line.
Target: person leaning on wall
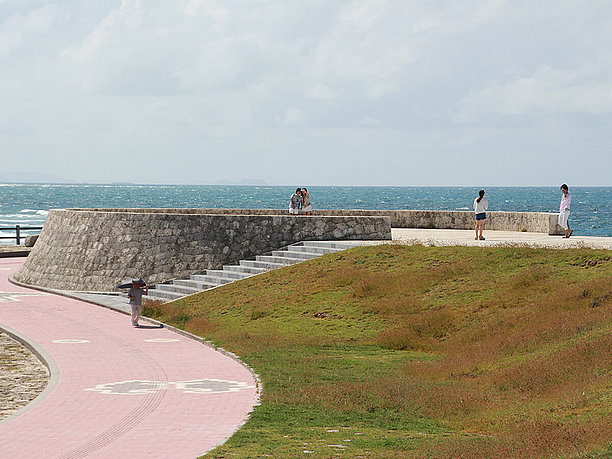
pixel 306 205
pixel 295 203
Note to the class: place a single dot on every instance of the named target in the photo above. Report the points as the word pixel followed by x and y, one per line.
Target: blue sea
pixel 28 204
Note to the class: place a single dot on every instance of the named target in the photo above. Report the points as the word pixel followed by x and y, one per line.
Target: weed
pixel 600 300
pixel 180 319
pixel 258 313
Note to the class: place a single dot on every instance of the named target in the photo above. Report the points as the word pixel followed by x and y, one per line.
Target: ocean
pixel 29 204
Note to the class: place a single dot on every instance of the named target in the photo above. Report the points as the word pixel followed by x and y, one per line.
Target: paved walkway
pixel 117 391
pixel 495 238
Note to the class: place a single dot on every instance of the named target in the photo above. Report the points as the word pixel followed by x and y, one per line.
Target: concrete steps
pixel 212 278
pixel 266 265
pixel 279 260
pixel 245 269
pixel 297 255
pixel 314 249
pixel 340 245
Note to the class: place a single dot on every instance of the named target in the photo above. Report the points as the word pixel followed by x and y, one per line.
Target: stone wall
pixel 533 222
pixel 94 249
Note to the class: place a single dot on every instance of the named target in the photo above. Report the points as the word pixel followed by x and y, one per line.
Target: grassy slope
pixel 417 351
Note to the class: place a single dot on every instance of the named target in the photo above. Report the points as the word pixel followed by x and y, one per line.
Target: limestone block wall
pixel 94 249
pixel 533 222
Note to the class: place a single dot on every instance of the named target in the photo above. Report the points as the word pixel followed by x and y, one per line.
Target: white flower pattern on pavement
pixel 197 386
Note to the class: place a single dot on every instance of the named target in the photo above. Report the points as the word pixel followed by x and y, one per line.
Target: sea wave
pixel 36 216
pixel 34 211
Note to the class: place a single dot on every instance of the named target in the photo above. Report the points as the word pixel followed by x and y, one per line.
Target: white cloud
pixel 292 117
pixel 547 91
pixel 370 121
pixel 25 27
pixel 219 82
pixel 322 92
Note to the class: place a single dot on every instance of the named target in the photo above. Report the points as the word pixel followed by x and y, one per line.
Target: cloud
pixel 292 117
pixel 22 30
pixel 321 91
pixel 546 92
pixel 218 82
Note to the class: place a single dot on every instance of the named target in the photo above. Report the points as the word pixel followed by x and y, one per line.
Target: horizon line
pixel 289 185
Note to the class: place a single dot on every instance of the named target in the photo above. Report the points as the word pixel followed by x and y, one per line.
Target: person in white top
pixel 564 210
pixel 480 206
pixel 295 203
pixel 135 294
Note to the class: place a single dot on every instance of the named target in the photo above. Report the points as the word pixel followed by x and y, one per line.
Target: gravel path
pixel 22 376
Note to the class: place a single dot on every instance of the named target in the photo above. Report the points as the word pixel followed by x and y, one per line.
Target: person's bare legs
pixel 479 230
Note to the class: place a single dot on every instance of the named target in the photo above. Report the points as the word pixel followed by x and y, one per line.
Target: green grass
pixel 411 351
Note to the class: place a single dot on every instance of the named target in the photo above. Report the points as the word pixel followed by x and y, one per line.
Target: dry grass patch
pixel 430 351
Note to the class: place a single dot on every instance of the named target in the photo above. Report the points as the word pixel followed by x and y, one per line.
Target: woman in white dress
pixel 564 210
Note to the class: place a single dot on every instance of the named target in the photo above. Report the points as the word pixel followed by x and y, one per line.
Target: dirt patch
pixel 23 376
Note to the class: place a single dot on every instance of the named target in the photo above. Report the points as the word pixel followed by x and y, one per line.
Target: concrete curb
pixel 16 253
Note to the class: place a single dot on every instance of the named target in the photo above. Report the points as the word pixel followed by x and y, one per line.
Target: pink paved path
pixel 179 398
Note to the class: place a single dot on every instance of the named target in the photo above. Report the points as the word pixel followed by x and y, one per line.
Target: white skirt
pixel 563 218
pixel 293 211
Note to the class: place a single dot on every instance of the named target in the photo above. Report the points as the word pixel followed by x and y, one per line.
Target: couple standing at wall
pixel 299 203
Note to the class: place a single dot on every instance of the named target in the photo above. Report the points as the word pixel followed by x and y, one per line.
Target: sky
pixel 317 92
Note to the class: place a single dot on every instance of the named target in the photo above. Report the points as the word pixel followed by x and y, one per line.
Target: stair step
pixel 211 279
pixel 229 274
pixel 194 284
pixel 331 245
pixel 185 290
pixel 278 260
pixel 166 295
pixel 267 265
pixel 292 254
pixel 244 269
pixel 316 250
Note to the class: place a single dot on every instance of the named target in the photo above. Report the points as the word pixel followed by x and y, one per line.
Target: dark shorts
pixel 482 216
